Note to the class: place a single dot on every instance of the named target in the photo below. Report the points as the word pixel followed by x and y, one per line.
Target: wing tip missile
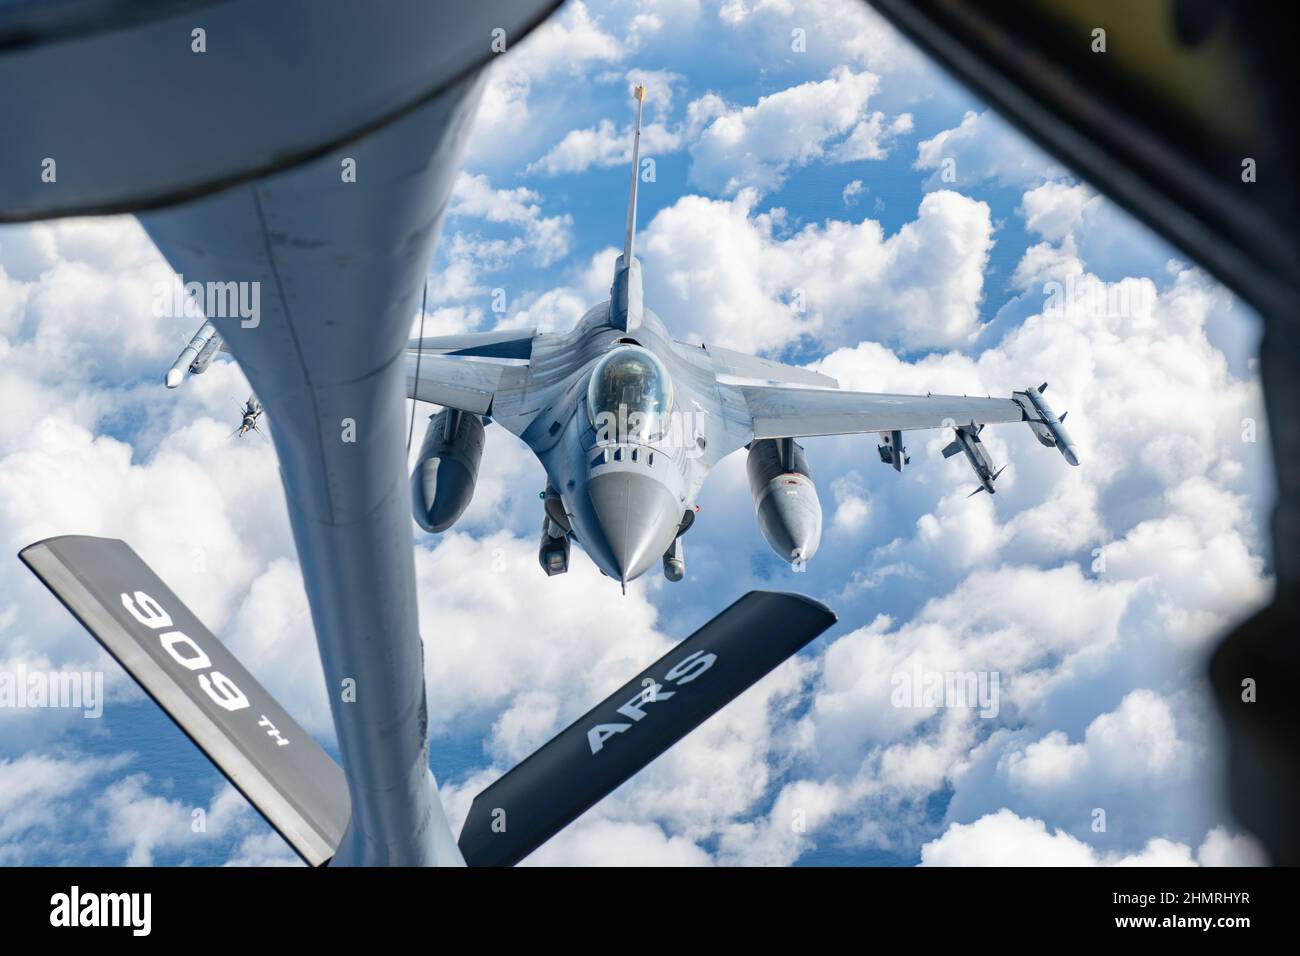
pixel 1044 423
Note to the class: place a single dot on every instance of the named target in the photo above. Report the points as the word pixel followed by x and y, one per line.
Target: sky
pixel 821 195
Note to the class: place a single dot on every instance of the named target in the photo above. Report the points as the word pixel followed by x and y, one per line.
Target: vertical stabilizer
pixel 630 238
pixel 625 295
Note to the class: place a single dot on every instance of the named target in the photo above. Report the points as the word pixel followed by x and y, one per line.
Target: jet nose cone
pixel 638 519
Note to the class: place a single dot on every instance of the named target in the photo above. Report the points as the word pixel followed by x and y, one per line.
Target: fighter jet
pixel 251 412
pixel 628 422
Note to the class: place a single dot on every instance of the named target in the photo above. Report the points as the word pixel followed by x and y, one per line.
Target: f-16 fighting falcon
pixel 628 422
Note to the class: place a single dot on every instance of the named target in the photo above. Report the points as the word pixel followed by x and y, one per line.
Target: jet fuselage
pixel 632 437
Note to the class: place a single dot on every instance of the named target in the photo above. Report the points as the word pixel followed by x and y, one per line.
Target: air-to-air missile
pixel 1047 428
pixel 195 357
pixel 968 441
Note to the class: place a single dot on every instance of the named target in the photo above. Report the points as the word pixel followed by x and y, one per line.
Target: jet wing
pixel 461 383
pixel 803 412
pixel 500 344
pixel 727 362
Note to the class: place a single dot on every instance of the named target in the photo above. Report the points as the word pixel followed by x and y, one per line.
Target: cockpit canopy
pixel 629 396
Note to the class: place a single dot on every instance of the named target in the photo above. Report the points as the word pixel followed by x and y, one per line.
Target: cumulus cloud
pixel 67 479
pixel 1140 557
pixel 743 147
pixel 852 503
pixel 722 271
pixel 1091 593
pixel 603 145
pixel 130 818
pixel 983 147
pixel 1005 839
pixel 480 595
pixel 566 44
pixel 264 849
pixel 34 794
pixel 1134 743
pixel 606 145
pixel 489 231
pixel 756 147
pixel 610 843
pixel 832 33
pixel 468 256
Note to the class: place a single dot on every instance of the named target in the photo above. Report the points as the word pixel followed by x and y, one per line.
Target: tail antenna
pixel 639 94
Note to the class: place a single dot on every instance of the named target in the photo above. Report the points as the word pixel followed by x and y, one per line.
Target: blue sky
pixel 1092 593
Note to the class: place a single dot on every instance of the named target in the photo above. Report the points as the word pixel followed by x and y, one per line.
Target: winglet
pixel 618 737
pixel 200 684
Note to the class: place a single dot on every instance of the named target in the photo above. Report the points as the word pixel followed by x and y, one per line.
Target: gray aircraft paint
pixel 279 85
pixel 260 748
pixel 324 362
pixel 626 499
pixel 785 499
pixel 195 357
pixel 1047 428
pixel 967 441
pixel 891 450
pixel 253 193
pixel 447 469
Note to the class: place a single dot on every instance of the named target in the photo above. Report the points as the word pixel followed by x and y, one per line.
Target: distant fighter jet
pixel 628 423
pixel 251 411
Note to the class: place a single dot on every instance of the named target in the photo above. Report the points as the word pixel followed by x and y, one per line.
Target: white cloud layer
pixel 756 147
pixel 1091 593
pixel 1004 839
pixel 720 270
